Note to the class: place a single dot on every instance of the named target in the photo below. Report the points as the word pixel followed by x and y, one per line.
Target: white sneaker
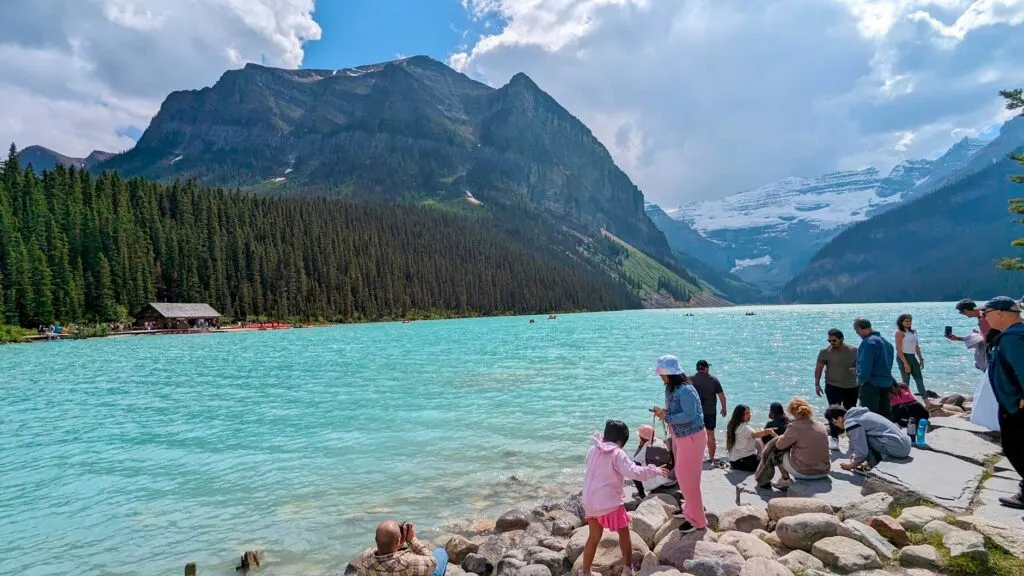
pixel 833 444
pixel 781 484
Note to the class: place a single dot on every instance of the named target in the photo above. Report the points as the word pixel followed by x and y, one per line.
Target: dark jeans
pixel 876 400
pixel 915 372
pixel 836 396
pixel 442 562
pixel 1011 428
pixel 748 464
pixel 902 413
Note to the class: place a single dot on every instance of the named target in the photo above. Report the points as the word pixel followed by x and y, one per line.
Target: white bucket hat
pixel 668 365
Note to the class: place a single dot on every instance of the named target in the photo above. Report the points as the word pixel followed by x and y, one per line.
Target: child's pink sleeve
pixel 629 469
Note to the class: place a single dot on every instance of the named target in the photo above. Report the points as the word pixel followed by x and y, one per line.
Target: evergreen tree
pixel 1015 101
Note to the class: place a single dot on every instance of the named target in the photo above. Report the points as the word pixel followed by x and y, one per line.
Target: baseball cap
pixel 1002 304
pixel 702 364
pixel 668 365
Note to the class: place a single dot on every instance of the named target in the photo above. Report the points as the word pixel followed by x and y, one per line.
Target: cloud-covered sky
pixel 694 98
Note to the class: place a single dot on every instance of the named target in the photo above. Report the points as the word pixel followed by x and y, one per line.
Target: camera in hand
pixel 949 330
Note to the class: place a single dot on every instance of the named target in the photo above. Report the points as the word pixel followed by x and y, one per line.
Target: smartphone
pixel 949 331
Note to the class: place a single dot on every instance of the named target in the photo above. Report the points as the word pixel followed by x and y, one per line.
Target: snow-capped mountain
pixel 771 232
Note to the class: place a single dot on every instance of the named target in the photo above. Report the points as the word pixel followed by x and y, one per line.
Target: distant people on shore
pixel 400 553
pixel 908 351
pixel 608 466
pixel 709 388
pixel 685 416
pixel 649 442
pixel 777 419
pixel 873 437
pixel 1006 367
pixel 875 356
pixel 838 360
pixel 741 440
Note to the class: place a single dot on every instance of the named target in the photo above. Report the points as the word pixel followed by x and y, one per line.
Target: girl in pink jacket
pixel 608 466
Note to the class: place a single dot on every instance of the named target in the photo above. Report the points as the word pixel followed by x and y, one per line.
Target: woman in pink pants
pixel 683 413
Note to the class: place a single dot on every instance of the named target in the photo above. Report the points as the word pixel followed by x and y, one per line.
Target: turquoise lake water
pixel 136 455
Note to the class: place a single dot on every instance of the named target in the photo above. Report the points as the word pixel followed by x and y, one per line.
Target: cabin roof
pixel 180 310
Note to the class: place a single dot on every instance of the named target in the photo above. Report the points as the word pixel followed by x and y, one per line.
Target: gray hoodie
pixel 865 429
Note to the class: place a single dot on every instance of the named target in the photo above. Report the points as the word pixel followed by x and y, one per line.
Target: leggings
pixel 915 372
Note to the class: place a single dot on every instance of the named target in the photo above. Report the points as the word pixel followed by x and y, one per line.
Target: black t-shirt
pixel 708 387
pixel 778 424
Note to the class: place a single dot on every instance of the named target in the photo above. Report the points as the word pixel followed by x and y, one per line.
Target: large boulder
pixel 965 544
pixel 648 518
pixel 1009 538
pixel 764 567
pixel 727 556
pixel 748 545
pixel 923 556
pixel 482 526
pixel 800 532
pixel 493 549
pixel 870 537
pixel 477 564
pixel 508 567
pixel 454 570
pixel 871 505
pixel 677 547
pixel 608 559
pixel 513 520
pixel 938 528
pixel 891 529
pixel 771 539
pixel 563 523
pixel 845 555
pixel 799 561
pixel 779 508
pixel 534 570
pixel 916 517
pixel 555 562
pixel 552 543
pixel 574 546
pixel 704 567
pixel 743 519
pixel 458 547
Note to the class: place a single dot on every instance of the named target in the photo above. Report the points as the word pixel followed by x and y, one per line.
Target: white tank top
pixel 910 343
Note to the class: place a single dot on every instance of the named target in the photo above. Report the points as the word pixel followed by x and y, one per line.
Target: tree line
pixel 77 247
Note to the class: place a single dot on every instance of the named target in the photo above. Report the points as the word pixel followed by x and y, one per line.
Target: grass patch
pixel 649 273
pixel 12 334
pixel 896 510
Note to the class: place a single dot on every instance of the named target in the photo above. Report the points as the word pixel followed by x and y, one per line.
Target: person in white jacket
pixel 647 439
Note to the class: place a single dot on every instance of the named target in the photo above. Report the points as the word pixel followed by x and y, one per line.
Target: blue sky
pixel 694 99
pixel 356 32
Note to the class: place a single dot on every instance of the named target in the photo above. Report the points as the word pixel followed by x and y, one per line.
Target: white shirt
pixel 745 444
pixel 909 342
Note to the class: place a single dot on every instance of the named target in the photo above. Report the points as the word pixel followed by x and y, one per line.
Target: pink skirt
pixel 615 520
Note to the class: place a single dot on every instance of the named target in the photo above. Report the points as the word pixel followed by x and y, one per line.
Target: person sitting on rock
pixel 741 440
pixel 649 440
pixel 777 419
pixel 607 468
pixel 805 445
pixel 399 553
pixel 873 438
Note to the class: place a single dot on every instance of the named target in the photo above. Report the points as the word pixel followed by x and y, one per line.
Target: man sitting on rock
pixel 399 553
pixel 873 438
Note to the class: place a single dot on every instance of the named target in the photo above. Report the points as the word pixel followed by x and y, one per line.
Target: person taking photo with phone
pixel 400 553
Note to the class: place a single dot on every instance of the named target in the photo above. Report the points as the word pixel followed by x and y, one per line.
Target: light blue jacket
pixel 683 411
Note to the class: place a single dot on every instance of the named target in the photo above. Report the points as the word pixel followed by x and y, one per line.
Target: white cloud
pixel 701 98
pixel 76 73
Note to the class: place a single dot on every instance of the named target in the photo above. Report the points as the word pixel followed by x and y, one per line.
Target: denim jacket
pixel 683 411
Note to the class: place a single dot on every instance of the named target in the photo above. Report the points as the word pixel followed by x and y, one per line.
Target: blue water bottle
pixel 922 427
